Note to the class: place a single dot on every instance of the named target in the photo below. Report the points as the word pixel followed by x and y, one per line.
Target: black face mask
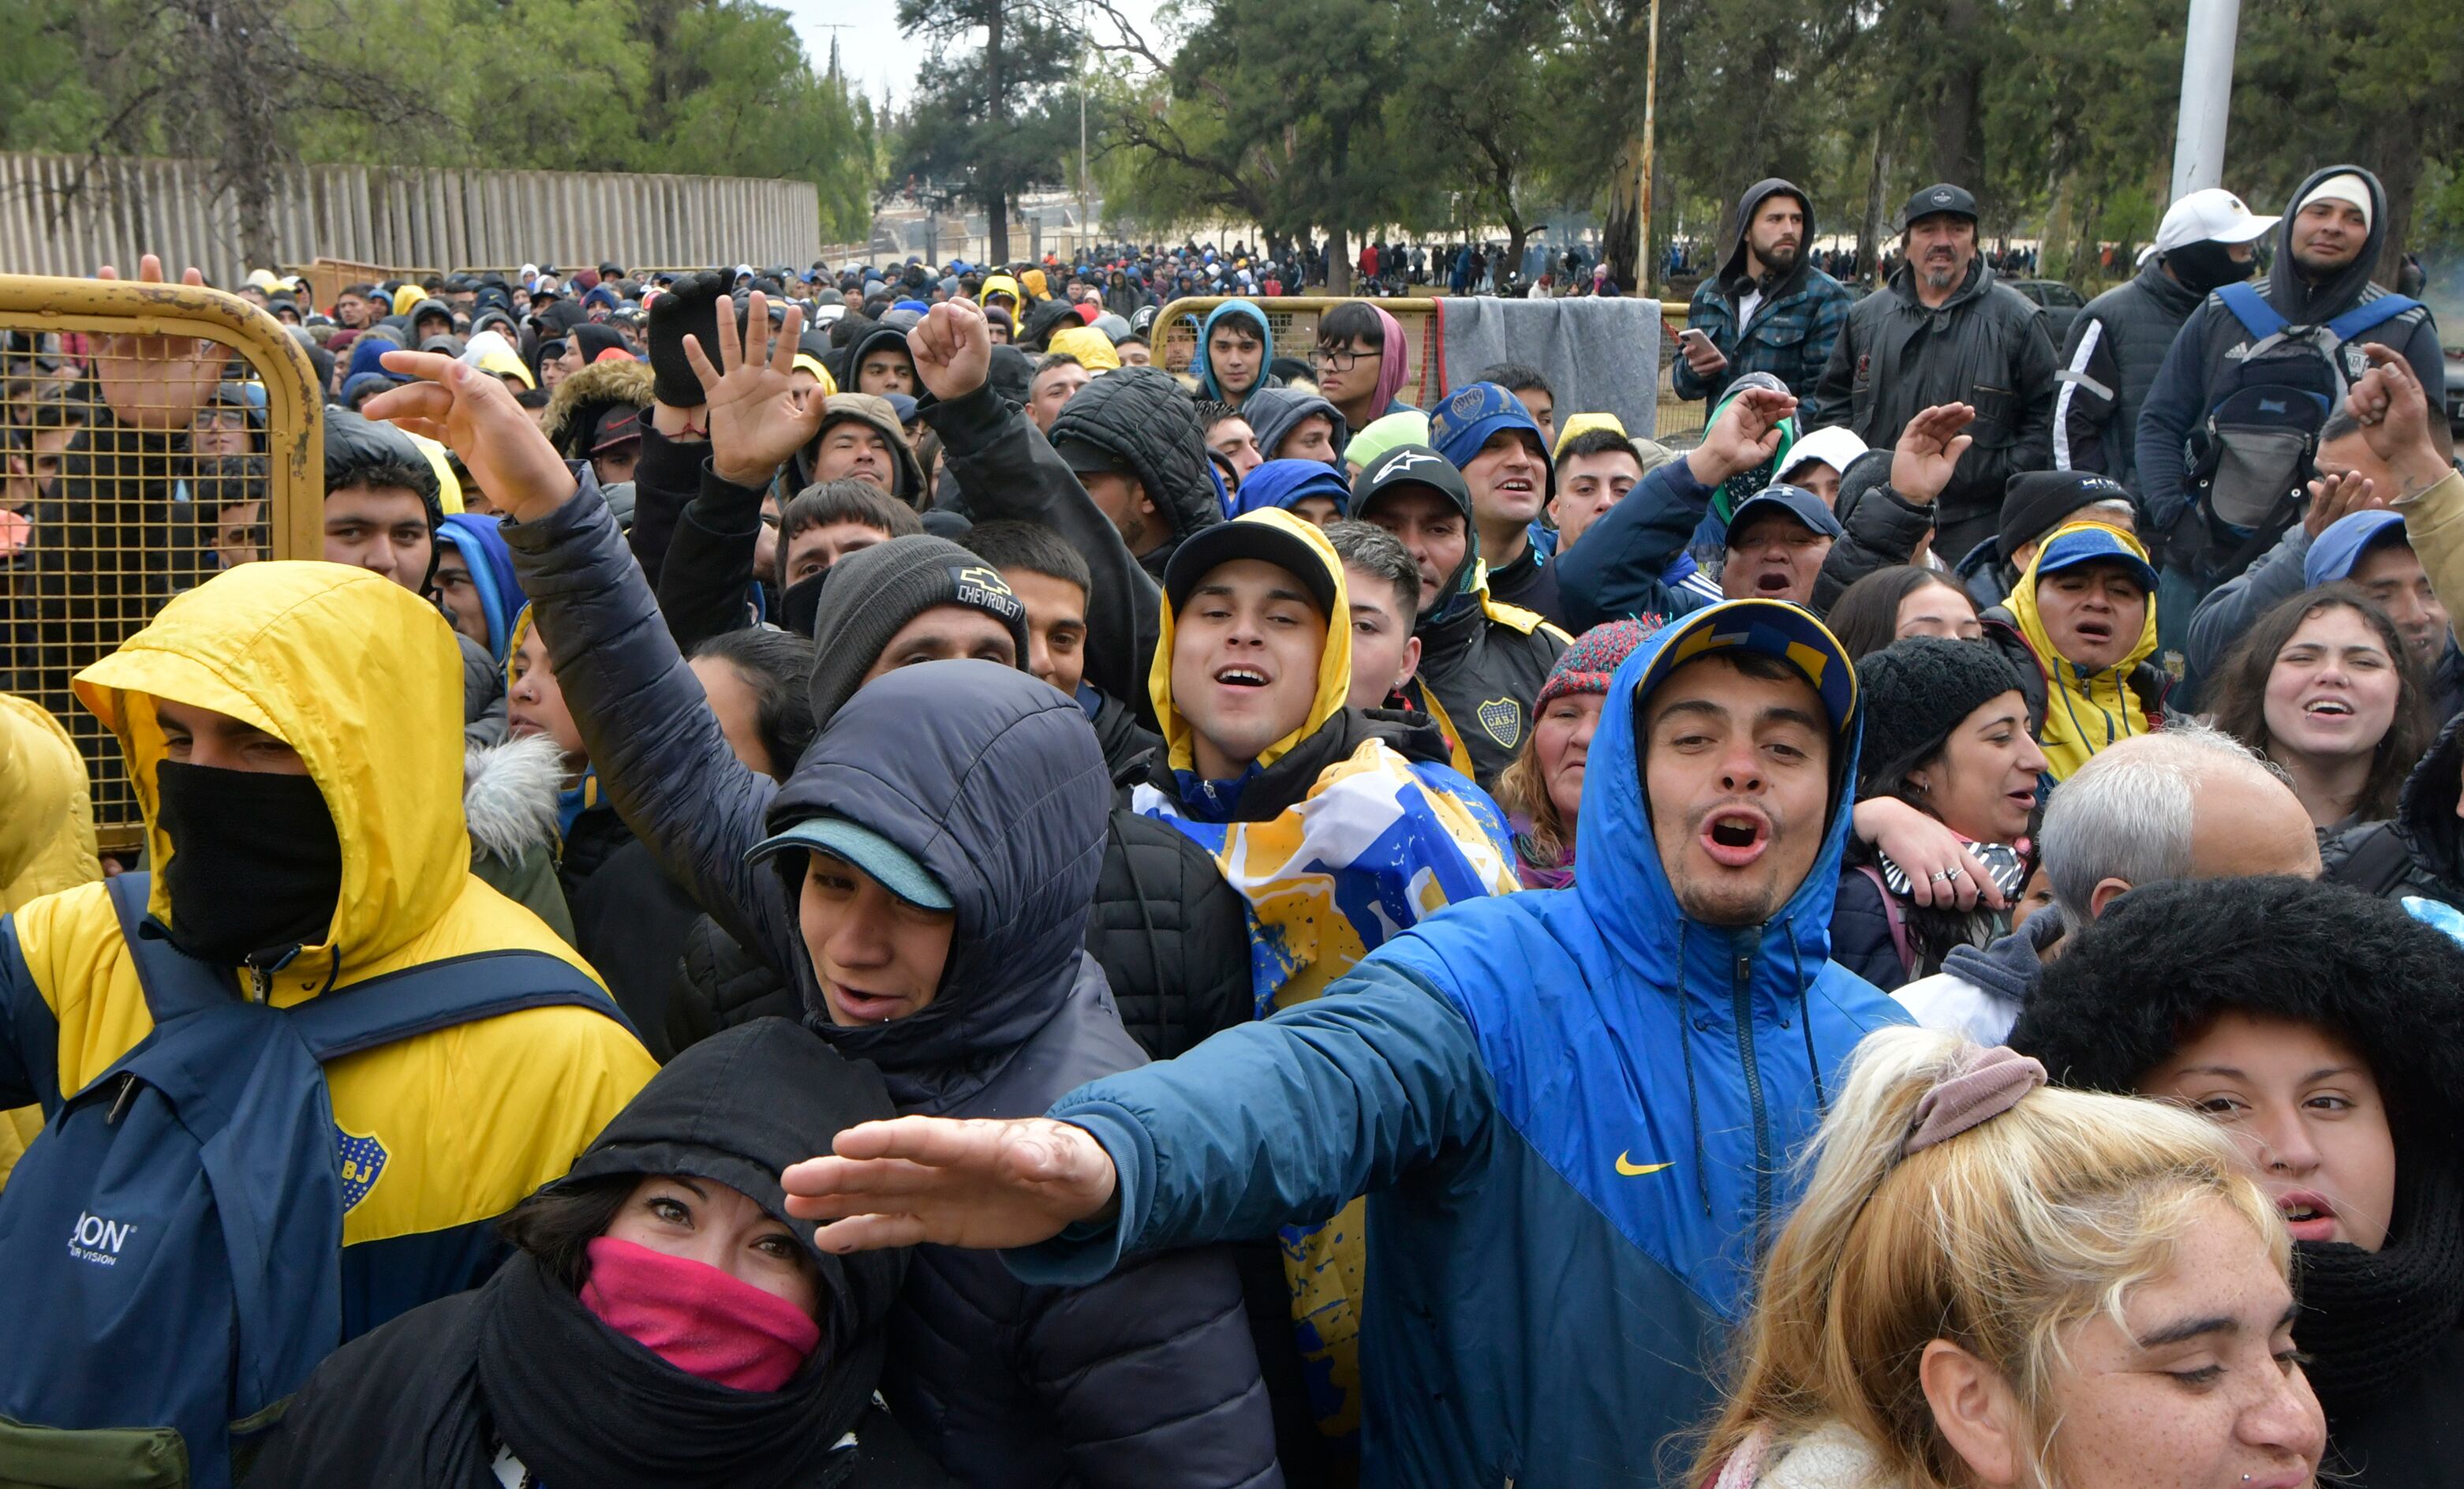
pixel 2207 266
pixel 801 603
pixel 256 863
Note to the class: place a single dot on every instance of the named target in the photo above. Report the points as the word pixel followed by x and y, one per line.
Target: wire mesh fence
pixel 1294 323
pixel 150 437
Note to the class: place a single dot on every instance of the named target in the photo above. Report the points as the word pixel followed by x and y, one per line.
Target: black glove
pixel 690 308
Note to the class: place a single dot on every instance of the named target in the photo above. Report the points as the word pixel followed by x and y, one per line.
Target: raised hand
pixel 1746 435
pixel 2393 411
pixel 952 349
pixel 754 416
pixel 2338 496
pixel 158 382
pixel 976 1182
pixel 1928 449
pixel 473 414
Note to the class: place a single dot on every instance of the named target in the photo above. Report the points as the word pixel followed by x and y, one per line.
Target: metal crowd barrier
pixel 113 497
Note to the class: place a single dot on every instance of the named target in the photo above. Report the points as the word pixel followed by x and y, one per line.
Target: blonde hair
pixel 1521 791
pixel 1997 1240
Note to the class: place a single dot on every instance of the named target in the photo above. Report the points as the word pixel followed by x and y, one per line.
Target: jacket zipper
pixel 1741 997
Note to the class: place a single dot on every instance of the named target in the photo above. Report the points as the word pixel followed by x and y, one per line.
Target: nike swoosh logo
pixel 1632 1170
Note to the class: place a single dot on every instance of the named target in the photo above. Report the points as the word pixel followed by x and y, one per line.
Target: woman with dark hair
pixel 1542 791
pixel 2316 1025
pixel 1902 600
pixel 663 1318
pixel 1945 733
pixel 757 682
pixel 2327 688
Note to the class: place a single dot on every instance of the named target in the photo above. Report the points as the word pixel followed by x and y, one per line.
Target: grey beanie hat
pixel 869 594
pixel 1913 694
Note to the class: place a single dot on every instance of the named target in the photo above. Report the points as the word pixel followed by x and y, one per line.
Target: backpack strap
pixel 2369 315
pixel 435 995
pixel 2250 309
pixel 1895 918
pixel 174 982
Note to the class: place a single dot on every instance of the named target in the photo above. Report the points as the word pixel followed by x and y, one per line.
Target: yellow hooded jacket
pixel 1002 284
pixel 1093 349
pixel 1400 834
pixel 46 843
pixel 362 678
pixel 2084 711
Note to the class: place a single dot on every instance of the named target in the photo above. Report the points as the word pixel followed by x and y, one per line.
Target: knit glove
pixel 689 309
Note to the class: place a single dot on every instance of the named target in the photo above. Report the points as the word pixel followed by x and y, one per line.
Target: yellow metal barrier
pixel 135 464
pixel 1294 318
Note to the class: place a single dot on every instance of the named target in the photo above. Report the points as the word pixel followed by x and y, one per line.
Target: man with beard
pixel 1768 309
pixel 1943 331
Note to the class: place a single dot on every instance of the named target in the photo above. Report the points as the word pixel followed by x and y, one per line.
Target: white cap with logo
pixel 2214 213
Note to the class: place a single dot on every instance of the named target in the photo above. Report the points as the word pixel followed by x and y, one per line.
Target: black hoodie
pixel 423 1401
pixel 1734 281
pixel 993 782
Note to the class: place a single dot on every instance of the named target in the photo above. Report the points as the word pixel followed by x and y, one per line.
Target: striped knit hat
pixel 1595 654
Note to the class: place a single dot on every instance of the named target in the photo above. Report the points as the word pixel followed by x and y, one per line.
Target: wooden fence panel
pixel 59 215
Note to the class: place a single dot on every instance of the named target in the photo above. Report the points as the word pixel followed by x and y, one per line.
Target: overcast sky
pixel 869 46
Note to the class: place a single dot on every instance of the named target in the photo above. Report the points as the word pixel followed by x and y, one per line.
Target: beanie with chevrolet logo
pixel 870 597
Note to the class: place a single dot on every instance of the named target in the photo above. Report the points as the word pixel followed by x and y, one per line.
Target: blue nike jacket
pixel 1574 1113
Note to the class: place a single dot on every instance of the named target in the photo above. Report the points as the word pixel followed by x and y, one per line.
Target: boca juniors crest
pixel 1503 719
pixel 363 1164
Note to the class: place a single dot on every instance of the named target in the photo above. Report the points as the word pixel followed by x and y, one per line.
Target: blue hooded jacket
pixel 481 543
pixel 1284 484
pixel 1573 1111
pixel 1205 372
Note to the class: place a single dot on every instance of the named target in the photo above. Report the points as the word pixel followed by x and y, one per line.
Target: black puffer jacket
pixel 1141 415
pixel 2420 850
pixel 1147 1378
pixel 720 985
pixel 1986 345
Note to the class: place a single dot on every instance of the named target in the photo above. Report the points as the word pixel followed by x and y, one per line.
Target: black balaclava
pixel 255 867
pixel 2207 266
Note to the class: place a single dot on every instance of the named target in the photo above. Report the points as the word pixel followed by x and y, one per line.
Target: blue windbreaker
pixel 1573 1111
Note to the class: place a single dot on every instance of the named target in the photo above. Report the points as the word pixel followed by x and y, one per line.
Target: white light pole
pixel 2207 95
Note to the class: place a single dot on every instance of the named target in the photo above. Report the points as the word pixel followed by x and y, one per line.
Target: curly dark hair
pixel 2165 959
pixel 2240 696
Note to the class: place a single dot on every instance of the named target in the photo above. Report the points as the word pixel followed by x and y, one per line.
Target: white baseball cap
pixel 2214 213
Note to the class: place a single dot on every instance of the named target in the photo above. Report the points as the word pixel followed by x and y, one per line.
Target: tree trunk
pixel 997 197
pixel 1338 262
pixel 1869 230
pixel 2397 147
pixel 1620 232
pixel 1959 112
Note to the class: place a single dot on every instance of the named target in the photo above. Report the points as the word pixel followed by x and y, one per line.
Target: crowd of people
pixel 839 878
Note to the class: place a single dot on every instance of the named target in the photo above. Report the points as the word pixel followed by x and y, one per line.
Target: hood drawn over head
pixel 2293 296
pixel 992 781
pixel 1202 370
pixel 1285 483
pixel 360 677
pixel 1623 885
pixel 481 543
pixel 1334 663
pixel 1274 413
pixel 1732 268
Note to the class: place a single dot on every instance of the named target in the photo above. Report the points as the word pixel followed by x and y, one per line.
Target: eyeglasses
pixel 1333 361
pixel 225 419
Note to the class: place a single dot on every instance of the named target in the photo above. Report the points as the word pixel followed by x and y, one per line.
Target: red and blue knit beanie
pixel 1595 654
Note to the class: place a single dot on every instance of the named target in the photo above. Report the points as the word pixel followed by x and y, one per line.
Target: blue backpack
pixel 172 1238
pixel 2250 458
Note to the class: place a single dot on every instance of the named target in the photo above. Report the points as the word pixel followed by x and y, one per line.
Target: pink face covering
pixel 697 1317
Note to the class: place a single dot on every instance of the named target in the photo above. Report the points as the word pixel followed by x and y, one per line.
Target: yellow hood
pixel 1334 663
pixel 47 832
pixel 490 352
pixel 1093 349
pixel 1033 281
pixel 364 680
pixel 1002 284
pixel 408 296
pixel 2083 711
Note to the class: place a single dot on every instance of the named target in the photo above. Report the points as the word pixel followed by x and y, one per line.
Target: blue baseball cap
pixel 1796 501
pixel 892 867
pixel 1776 628
pixel 1465 419
pixel 2333 553
pixel 2094 543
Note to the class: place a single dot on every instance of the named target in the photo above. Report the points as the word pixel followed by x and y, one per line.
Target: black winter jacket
pixel 1146 1378
pixel 706 584
pixel 1141 415
pixel 2420 850
pixel 2110 359
pixel 1985 346
pixel 720 985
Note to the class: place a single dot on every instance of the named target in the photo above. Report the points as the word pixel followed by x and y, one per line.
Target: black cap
pixel 1409 465
pixel 1932 200
pixel 1270 536
pixel 2035 502
pixel 1085 458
